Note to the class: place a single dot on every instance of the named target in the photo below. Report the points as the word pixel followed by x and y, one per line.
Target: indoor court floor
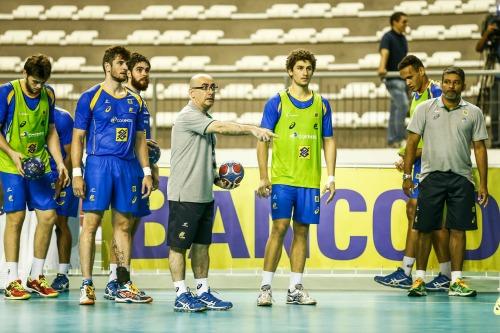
pixel 337 311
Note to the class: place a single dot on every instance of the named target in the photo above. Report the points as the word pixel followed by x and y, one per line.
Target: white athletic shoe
pixel 265 297
pixel 299 296
pixel 496 308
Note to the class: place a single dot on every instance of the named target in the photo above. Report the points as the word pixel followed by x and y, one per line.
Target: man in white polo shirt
pixel 448 126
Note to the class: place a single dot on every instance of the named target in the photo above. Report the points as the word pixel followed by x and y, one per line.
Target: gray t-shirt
pixel 192 159
pixel 447 135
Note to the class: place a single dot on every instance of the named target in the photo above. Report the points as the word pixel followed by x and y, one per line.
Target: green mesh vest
pixel 297 149
pixel 28 131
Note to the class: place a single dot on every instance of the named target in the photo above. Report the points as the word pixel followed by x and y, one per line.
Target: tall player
pixel 27 128
pixel 110 118
pixel 66 200
pixel 303 124
pixel 138 80
pixel 412 70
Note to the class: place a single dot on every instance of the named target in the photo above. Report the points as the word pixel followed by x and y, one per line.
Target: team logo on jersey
pixel 130 100
pixel 22 124
pixel 32 147
pixel 121 134
pixel 292 125
pixel 436 115
pixel 60 202
pixel 53 185
pixel 465 113
pixel 305 152
pixel 108 108
pixel 106 101
pixel 182 235
pixel 62 194
pixel 315 126
pixel 131 110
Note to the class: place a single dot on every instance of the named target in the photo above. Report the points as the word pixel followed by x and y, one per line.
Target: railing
pixel 360 111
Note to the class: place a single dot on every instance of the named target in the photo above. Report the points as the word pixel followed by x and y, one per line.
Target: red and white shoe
pixel 16 291
pixel 41 287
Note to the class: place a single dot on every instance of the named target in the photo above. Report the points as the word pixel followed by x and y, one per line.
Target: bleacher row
pixel 246 63
pixel 215 36
pixel 282 10
pixel 247 91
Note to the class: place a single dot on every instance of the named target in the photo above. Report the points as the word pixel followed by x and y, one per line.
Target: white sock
pixel 295 278
pixel 112 272
pixel 64 269
pixel 420 274
pixel 201 286
pixel 12 271
pixel 267 278
pixel 445 268
pixel 455 275
pixel 37 268
pixel 408 264
pixel 180 287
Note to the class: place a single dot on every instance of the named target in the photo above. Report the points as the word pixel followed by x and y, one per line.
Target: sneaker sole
pixel 189 310
pixel 415 294
pixel 128 300
pixel 22 298
pixel 219 309
pixel 473 294
pixel 265 304
pixel 108 297
pixel 89 302
pixel 392 285
pixel 437 290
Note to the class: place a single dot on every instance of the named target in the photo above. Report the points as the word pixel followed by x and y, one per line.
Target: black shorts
pixel 189 222
pixel 456 191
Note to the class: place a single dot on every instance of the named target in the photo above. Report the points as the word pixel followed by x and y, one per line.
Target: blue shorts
pixel 304 202
pixel 67 203
pixel 417 168
pixel 19 192
pixel 143 209
pixel 110 180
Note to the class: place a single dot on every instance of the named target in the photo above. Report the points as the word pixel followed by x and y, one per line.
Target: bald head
pixel 199 79
pixel 202 90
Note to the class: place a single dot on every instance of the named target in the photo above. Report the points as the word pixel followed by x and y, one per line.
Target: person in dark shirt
pixel 393 48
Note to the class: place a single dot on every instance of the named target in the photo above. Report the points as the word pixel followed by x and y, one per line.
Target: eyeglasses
pixel 206 87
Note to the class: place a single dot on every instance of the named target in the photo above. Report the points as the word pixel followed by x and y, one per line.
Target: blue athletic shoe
pixel 187 302
pixel 397 279
pixel 213 303
pixel 439 283
pixel 60 283
pixel 111 290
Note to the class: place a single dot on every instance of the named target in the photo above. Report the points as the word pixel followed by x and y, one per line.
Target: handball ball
pixel 232 172
pixel 33 168
pixel 154 154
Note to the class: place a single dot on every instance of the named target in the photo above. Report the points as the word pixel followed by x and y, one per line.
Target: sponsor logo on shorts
pixel 316 198
pixel 275 205
pixel 131 110
pixel 316 211
pixel 62 194
pixel 92 197
pixel 182 235
pixel 130 100
pixel 185 225
pixel 305 152
pixel 9 189
pixel 53 186
pixel 32 147
pixel 92 190
pixel 134 188
pixel 11 198
pixel 60 202
pixel 121 134
pixel 134 199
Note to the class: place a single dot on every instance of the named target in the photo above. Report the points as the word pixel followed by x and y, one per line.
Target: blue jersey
pixel 272 113
pixel 111 123
pixel 8 105
pixel 146 117
pixel 64 127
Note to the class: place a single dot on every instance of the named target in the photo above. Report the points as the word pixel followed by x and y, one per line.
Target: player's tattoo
pixel 120 255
